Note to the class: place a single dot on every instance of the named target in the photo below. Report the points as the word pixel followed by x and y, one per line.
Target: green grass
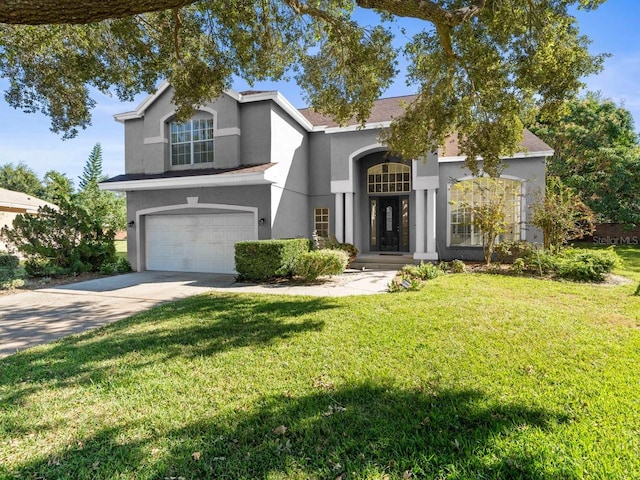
pixel 121 248
pixel 475 376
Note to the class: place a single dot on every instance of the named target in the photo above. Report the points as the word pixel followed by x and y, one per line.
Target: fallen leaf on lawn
pixel 281 430
pixel 342 476
pixel 195 456
pixel 407 475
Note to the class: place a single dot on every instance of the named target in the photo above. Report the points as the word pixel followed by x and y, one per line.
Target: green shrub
pixel 331 243
pixel 43 267
pixel 517 266
pixel 121 265
pixel 317 263
pixel 8 284
pixel 585 265
pixel 537 260
pixel 350 250
pixel 69 238
pixel 458 266
pixel 9 261
pixel 6 273
pixel 423 271
pixel 508 252
pixel 263 259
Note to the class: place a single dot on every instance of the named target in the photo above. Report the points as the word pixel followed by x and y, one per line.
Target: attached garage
pixel 196 242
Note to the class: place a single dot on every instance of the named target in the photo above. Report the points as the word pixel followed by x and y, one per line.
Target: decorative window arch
pixel 468 194
pixel 389 177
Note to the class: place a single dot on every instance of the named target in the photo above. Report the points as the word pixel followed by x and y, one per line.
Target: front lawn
pixel 475 376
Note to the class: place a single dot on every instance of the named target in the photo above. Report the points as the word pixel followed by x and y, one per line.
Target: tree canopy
pixel 479 65
pixel 597 153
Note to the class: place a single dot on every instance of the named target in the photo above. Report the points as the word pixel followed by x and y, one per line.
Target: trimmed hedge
pixel 317 263
pixel 264 259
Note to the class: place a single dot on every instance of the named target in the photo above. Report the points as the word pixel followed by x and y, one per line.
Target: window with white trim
pixel 192 142
pixel 389 178
pixel 321 222
pixel 466 194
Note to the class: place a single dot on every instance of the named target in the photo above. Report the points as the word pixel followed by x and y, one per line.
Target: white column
pixel 426 222
pixel 420 221
pixel 431 221
pixel 339 217
pixel 348 217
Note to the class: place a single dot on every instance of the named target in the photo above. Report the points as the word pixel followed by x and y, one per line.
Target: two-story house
pixel 251 166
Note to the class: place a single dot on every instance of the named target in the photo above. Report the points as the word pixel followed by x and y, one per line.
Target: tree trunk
pixel 41 12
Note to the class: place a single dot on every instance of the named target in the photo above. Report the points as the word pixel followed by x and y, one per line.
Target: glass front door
pixel 389 223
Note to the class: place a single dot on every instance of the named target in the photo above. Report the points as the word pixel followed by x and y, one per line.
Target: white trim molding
pixel 193 181
pixel 226 132
pixel 355 128
pixel 539 153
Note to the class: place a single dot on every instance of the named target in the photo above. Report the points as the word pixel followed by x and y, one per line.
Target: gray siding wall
pixel 255 141
pixel 133 146
pixel 531 170
pixel 290 195
pixel 320 195
pixel 147 139
pixel 343 145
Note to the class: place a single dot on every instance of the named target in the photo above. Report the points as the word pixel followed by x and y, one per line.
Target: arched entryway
pixel 388 188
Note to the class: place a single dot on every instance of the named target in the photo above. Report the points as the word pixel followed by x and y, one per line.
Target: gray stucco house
pixel 251 166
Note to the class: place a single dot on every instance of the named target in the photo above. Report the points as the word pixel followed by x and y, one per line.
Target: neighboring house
pixel 13 204
pixel 251 166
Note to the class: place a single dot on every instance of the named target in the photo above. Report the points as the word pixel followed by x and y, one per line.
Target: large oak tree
pixel 479 65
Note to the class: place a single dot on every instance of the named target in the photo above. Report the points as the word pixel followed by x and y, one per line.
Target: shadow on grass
pixel 362 431
pixel 202 325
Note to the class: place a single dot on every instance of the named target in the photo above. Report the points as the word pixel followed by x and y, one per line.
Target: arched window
pixel 192 141
pixel 389 178
pixel 469 198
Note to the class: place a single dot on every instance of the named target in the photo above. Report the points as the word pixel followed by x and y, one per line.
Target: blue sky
pixel 613 28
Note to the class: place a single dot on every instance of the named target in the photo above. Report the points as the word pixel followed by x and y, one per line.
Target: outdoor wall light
pixel 261 221
pixel 131 223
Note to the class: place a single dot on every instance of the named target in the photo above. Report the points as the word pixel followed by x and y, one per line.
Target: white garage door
pixel 196 243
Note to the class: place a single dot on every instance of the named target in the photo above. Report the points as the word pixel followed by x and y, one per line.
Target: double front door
pixel 389 223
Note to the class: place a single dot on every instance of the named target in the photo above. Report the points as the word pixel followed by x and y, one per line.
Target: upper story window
pixel 389 178
pixel 192 142
pixel 466 195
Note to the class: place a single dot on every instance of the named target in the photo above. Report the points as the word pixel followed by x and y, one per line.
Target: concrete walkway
pixel 35 317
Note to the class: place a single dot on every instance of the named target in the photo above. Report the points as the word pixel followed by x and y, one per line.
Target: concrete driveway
pixel 40 316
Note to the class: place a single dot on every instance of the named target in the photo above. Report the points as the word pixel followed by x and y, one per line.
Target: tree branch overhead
pixel 43 12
